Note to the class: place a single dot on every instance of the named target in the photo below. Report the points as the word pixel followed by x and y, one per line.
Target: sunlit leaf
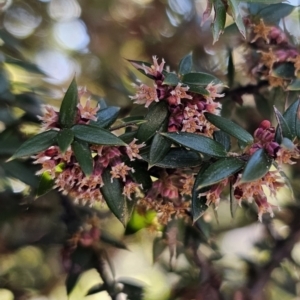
pixel 96 135
pixel 233 4
pixel 83 156
pixel 219 170
pixel 294 85
pixel 45 185
pixel 197 142
pixel 257 166
pixel 37 143
pixel 68 109
pixel 230 127
pixel 64 139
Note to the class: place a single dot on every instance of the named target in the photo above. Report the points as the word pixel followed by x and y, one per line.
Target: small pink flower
pixel 145 95
pixel 132 150
pixel 131 188
pixel 50 118
pixel 180 93
pixel 87 111
pixel 213 90
pixel 120 171
pixel 155 70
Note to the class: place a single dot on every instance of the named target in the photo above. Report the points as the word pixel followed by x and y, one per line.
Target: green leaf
pixel 230 69
pixel 233 4
pixel 197 142
pixel 127 137
pixel 160 146
pixel 233 202
pixel 272 14
pixel 219 21
pixel 27 66
pixel 198 90
pixel 199 203
pixel 132 288
pixel 283 130
pixel 219 170
pixel 134 120
pixel 96 289
pixel 198 78
pixel 37 143
pixel 263 1
pixel 119 205
pixel 186 64
pixel 223 138
pixel 45 185
pixel 156 115
pixel 230 127
pixel 106 117
pixel 171 79
pixel 96 135
pixel 294 85
pixel 179 158
pixel 83 155
pixel 284 70
pixel 68 108
pixel 140 174
pixel 257 166
pixel 64 139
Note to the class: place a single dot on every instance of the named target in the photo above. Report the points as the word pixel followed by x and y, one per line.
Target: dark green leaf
pixel 132 288
pixel 115 200
pixel 283 130
pixel 140 174
pixel 68 109
pixel 127 137
pixel 219 21
pixel 171 79
pixel 64 139
pixel 233 4
pixel 230 69
pixel 233 202
pixel 230 127
pixel 157 114
pixel 263 1
pixel 71 281
pixel 294 85
pixel 106 117
pixel 186 64
pixel 160 146
pixel 198 78
pixel 37 143
pixel 96 289
pixel 284 70
pixel 197 142
pixel 223 138
pixel 257 166
pixel 134 120
pixel 221 169
pixel 96 135
pixel 199 203
pixel 46 184
pixel 272 14
pixel 198 90
pixel 83 155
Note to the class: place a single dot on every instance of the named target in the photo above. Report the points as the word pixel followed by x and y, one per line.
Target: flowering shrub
pixel 178 159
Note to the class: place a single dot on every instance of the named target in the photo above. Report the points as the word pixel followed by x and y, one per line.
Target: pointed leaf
pixel 283 130
pixel 171 79
pixel 197 142
pixel 198 78
pixel 68 108
pixel 119 205
pixel 219 170
pixel 64 139
pixel 106 116
pixel 284 70
pixel 294 85
pixel 140 174
pixel 198 90
pixel 219 21
pixel 291 118
pixel 230 127
pixel 96 135
pixel 96 289
pixel 257 166
pixel 46 184
pixel 83 155
pixel 199 203
pixel 156 115
pixel 233 4
pixel 160 146
pixel 223 138
pixel 272 14
pixel 186 64
pixel 230 69
pixel 37 143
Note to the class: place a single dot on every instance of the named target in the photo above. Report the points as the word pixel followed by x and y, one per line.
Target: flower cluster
pixel 274 50
pixel 66 172
pixel 170 195
pixel 186 108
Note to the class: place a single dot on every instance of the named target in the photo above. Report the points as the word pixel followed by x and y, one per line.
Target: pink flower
pixel 120 171
pixel 213 90
pixel 87 111
pixel 180 93
pixel 131 188
pixel 145 95
pixel 50 118
pixel 132 150
pixel 155 70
